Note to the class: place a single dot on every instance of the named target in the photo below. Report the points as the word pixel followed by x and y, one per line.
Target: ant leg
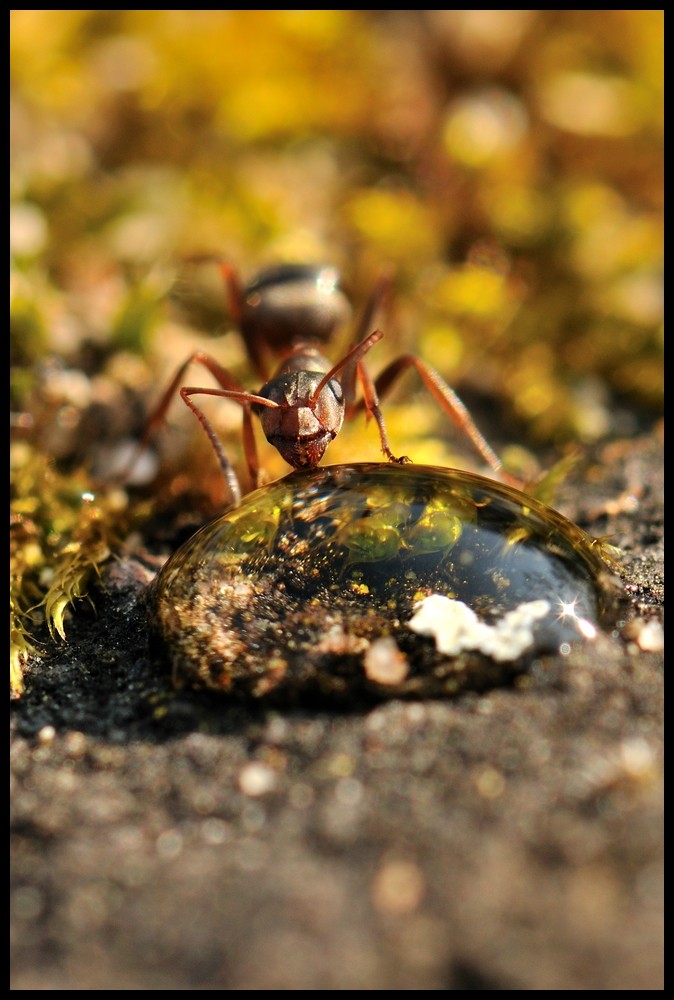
pixel 246 400
pixel 235 297
pixel 379 300
pixel 450 403
pixel 228 382
pixel 370 402
pixel 234 290
pixel 351 364
pixel 250 449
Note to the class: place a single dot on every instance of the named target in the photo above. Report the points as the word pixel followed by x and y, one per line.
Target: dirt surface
pixel 510 839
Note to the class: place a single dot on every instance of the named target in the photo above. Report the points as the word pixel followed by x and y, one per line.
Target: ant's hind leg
pixel 450 403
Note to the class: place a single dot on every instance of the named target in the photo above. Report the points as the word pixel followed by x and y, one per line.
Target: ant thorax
pixel 304 356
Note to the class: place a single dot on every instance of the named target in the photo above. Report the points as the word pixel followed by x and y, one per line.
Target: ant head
pixel 306 418
pixel 293 301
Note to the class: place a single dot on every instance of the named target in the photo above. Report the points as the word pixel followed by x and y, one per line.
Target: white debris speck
pixel 651 637
pixel 457 629
pixel 647 634
pixel 384 662
pixel 124 459
pixel 256 778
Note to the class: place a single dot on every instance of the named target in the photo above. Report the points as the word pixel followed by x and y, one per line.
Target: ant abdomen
pixel 291 303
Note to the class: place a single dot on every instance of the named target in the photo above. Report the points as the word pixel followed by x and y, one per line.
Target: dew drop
pixel 293 591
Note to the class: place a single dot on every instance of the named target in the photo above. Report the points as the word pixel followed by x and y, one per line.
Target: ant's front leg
pixel 370 402
pixel 229 385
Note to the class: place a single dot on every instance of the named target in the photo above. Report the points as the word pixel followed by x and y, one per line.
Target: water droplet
pixel 288 592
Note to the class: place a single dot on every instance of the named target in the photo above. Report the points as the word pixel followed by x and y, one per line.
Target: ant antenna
pixel 352 357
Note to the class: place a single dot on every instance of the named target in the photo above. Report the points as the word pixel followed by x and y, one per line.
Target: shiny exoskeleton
pixel 288 314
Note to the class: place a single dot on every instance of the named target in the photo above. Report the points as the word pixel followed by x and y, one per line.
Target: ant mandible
pixel 290 312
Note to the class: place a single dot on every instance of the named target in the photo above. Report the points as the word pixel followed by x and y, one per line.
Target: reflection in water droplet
pixel 285 594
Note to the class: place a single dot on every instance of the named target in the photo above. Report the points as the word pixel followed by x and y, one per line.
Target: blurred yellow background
pixel 507 163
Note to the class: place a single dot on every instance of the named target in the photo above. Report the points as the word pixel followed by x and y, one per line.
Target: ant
pixel 290 312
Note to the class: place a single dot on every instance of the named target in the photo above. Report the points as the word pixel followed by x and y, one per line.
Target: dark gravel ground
pixel 511 839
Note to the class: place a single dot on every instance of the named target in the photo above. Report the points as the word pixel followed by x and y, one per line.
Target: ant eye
pixel 336 389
